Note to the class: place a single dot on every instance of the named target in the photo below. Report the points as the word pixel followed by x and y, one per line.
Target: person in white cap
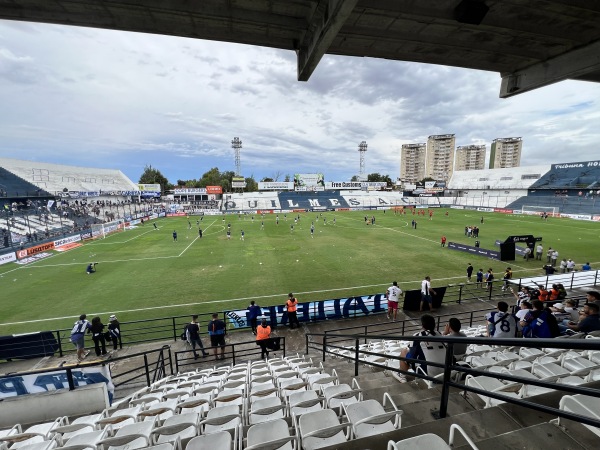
pixel 114 330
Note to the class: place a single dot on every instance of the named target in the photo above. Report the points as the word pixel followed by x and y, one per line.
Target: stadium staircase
pixel 505 426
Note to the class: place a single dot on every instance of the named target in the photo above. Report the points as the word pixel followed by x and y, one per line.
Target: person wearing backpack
pixel 501 324
pixel 540 322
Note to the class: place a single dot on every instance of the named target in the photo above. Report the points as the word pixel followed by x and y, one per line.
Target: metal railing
pixel 449 367
pixel 146 370
pixel 234 353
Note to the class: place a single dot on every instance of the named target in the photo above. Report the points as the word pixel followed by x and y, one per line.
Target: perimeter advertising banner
pixel 149 187
pixel 36 249
pixel 16 385
pixel 68 240
pixel 275 185
pixel 474 250
pixel 214 190
pixel 319 310
pixel 9 257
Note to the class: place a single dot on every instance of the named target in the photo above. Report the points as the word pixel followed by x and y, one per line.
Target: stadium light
pixel 236 145
pixel 362 148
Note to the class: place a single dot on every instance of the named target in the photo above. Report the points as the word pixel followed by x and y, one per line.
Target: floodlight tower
pixel 362 148
pixel 236 145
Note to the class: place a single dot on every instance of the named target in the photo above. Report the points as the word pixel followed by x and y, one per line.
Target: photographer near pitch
pixel 91 268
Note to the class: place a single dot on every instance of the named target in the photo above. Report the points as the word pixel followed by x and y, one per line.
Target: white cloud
pixel 122 100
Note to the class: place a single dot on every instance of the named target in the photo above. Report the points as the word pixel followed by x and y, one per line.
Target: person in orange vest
pixel 291 305
pixel 263 334
pixel 544 294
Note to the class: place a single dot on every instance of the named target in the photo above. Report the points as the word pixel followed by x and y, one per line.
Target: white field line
pixel 282 295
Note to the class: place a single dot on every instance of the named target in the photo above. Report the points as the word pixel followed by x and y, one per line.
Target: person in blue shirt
pixel 586 266
pixel 254 311
pixel 216 331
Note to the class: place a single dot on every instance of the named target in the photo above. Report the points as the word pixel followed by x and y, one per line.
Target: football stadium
pixel 460 310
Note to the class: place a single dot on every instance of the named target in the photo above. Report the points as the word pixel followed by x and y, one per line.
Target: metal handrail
pixel 449 366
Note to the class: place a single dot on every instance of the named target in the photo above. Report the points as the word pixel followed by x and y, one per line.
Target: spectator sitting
pixel 589 319
pixel 453 329
pixel 565 312
pixel 554 293
pixel 501 324
pixel 562 292
pixel 592 297
pixel 423 350
pixel 525 308
pixel 540 323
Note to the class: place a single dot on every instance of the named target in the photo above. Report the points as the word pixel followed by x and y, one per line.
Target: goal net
pixel 100 230
pixel 539 210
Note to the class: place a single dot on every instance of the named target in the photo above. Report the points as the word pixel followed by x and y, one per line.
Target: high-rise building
pixel 506 152
pixel 470 157
pixel 439 162
pixel 412 162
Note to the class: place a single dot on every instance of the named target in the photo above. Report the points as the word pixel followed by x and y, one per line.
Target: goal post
pixel 100 230
pixel 539 210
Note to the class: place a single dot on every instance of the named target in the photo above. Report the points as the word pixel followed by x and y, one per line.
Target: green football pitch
pixel 143 273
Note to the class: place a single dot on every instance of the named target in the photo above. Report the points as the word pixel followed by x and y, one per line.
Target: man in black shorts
pixel 216 331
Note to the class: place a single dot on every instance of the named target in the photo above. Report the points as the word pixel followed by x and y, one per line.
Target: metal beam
pixel 575 63
pixel 329 18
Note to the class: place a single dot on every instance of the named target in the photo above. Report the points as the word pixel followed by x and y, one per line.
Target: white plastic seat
pixel 162 410
pixel 579 365
pixel 194 404
pixel 342 393
pixel 49 444
pixel 35 434
pixel 304 402
pixel 181 427
pixel 266 409
pixel 430 441
pixel 549 370
pixel 121 417
pixel 529 354
pixel 583 405
pixel 91 438
pixel 291 385
pixel 215 441
pixel 369 417
pixel 222 418
pixel 15 429
pixel 128 437
pixel 270 435
pixel 320 429
pixel 493 385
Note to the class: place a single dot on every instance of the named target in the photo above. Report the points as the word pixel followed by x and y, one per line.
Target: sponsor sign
pixel 474 250
pixel 67 247
pixel 309 180
pixel 275 185
pixel 596 218
pixel 310 189
pixel 8 257
pixel 485 209
pixel 321 310
pixel 348 185
pixel 16 385
pixel 35 249
pixel 186 191
pixel 577 165
pixel 518 250
pixel 577 216
pixel 86 235
pixel 238 182
pixel 149 187
pixel 457 207
pixel 214 190
pixel 502 210
pixel 68 240
pixel 34 258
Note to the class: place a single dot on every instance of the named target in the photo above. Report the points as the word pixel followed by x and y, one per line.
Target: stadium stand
pixel 13 186
pixel 251 201
pixel 55 178
pixel 312 200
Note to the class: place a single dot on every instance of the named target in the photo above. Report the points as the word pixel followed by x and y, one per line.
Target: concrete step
pixel 544 435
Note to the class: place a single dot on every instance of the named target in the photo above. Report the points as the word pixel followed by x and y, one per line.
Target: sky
pixel 112 99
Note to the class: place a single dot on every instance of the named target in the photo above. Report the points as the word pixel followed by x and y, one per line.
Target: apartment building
pixel 412 162
pixel 439 162
pixel 506 152
pixel 470 157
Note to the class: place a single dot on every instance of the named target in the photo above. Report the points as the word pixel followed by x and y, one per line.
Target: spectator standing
pixel 393 295
pixel 469 272
pixel 263 334
pixel 291 305
pixel 114 331
pixel 563 266
pixel 522 296
pixel 78 336
pixel 253 312
pixel 490 279
pixel 216 331
pixel 539 250
pixel 193 336
pixel 586 267
pixel 97 331
pixel 480 278
pixel 426 294
pixel 570 265
pixel 549 255
pixel 506 278
pixel 554 258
